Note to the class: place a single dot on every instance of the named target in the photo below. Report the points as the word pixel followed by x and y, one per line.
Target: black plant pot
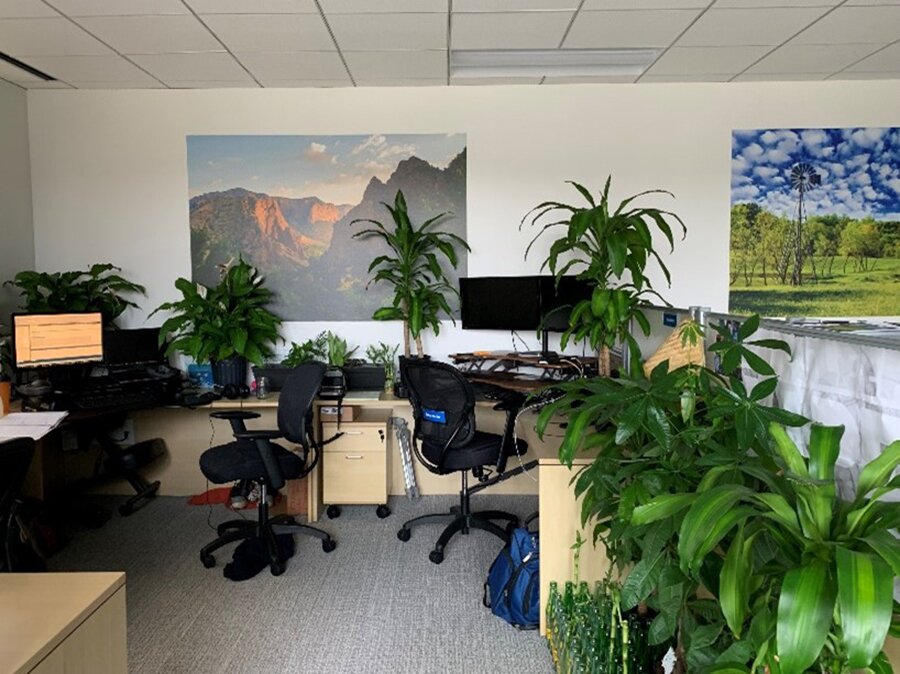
pixel 231 371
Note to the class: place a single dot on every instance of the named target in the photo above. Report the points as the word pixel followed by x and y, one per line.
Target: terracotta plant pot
pixel 5 393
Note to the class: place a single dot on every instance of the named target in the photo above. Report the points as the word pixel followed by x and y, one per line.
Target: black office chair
pixel 445 441
pixel 254 456
pixel 15 458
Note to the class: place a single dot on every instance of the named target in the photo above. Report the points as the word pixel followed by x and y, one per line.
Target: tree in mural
pixel 803 178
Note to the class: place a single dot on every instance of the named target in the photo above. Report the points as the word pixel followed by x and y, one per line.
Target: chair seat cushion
pixel 241 461
pixel 483 450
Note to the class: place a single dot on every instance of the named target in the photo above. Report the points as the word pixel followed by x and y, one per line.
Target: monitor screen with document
pixel 42 340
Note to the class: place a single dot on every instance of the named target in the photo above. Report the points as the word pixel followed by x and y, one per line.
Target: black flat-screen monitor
pixel 500 302
pixel 558 300
pixel 139 346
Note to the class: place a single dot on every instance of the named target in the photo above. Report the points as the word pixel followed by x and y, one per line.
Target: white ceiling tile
pixel 513 5
pixel 25 9
pixel 858 3
pixel 270 32
pixel 41 37
pixel 363 32
pixel 518 30
pixel 152 34
pixel 401 64
pixel 118 7
pixel 311 84
pixel 644 4
pixel 172 68
pixel 295 65
pixel 706 60
pixel 405 82
pixel 464 81
pixel 886 60
pixel 11 73
pixel 811 58
pixel 377 6
pixel 215 84
pixel 780 77
pixel 253 6
pixel 598 30
pixel 731 4
pixel 111 68
pixel 848 75
pixel 709 77
pixel 41 84
pixel 854 24
pixel 148 84
pixel 606 79
pixel 735 27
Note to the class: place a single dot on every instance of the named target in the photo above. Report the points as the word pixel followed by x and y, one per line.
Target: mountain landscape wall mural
pixel 286 204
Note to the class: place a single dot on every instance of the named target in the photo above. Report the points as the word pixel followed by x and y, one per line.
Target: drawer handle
pixel 353 457
pixel 353 432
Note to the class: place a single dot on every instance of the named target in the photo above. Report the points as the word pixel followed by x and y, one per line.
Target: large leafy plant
pixel 414 270
pixel 100 288
pixel 806 578
pixel 228 320
pixel 315 348
pixel 610 247
pixel 339 351
pixel 654 438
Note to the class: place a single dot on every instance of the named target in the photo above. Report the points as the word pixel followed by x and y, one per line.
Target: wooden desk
pixel 62 623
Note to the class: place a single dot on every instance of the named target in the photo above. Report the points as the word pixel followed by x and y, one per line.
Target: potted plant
pixel 100 288
pixel 314 348
pixel 611 248
pixel 227 324
pixel 385 356
pixel 413 269
pixel 334 384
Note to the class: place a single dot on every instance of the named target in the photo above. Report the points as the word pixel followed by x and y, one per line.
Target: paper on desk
pixel 33 425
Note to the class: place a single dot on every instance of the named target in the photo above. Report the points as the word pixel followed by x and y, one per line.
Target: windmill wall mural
pixel 287 203
pixel 815 222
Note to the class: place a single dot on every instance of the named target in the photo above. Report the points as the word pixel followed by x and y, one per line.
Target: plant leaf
pixel 865 587
pixel 805 609
pixel 878 471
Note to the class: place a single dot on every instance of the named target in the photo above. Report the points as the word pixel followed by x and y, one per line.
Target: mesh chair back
pixel 15 458
pixel 295 402
pixel 442 400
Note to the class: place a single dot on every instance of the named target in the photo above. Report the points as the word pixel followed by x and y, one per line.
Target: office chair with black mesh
pixel 254 456
pixel 445 441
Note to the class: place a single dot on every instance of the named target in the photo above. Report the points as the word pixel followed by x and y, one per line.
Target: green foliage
pixel 604 245
pixel 860 240
pixel 99 288
pixel 226 321
pixel 656 440
pixel 6 362
pixel 312 349
pixel 384 355
pixel 413 270
pixel 339 351
pixel 814 590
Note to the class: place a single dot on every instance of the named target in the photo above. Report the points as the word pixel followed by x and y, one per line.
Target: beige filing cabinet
pixel 354 466
pixel 62 623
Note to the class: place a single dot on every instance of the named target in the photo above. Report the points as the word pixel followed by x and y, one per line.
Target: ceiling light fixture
pixel 27 68
pixel 549 62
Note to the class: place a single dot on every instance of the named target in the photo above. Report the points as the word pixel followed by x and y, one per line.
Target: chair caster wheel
pixel 277 568
pixel 382 511
pixel 126 509
pixel 404 534
pixel 208 561
pixel 329 544
pixel 436 556
pixel 333 512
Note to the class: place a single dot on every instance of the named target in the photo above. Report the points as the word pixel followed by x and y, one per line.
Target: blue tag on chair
pixel 434 416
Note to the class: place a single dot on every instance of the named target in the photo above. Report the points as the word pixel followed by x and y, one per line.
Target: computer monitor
pixel 558 300
pixel 43 340
pixel 500 302
pixel 139 346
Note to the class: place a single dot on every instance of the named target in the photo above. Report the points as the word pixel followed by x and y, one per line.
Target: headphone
pixel 233 392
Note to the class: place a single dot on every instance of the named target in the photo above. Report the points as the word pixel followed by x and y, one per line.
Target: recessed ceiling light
pixel 549 62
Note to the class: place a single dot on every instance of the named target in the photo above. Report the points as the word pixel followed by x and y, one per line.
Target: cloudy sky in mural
pixel 860 170
pixel 334 168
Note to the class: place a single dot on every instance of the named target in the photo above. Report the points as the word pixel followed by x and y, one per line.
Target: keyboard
pixel 114 395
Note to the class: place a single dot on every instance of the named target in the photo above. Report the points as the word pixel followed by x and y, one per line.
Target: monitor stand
pixel 545 353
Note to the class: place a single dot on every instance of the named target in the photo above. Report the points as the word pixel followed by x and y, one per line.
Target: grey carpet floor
pixel 375 604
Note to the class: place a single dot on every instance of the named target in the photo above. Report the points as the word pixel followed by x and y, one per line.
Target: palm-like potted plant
pixel 611 249
pixel 227 324
pixel 414 270
pixel 385 356
pixel 101 288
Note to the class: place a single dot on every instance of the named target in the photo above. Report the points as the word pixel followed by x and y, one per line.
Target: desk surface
pixel 39 610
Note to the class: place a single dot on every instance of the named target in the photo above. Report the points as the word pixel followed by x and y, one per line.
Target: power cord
pixel 539 402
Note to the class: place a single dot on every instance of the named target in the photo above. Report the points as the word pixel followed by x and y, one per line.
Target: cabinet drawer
pixel 354 477
pixel 355 438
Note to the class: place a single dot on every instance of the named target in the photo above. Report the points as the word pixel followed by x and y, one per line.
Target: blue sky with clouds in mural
pixel 860 170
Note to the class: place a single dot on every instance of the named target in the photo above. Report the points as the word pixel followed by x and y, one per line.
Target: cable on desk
pixel 539 402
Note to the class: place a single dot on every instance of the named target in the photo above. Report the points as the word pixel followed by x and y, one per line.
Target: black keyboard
pixel 118 400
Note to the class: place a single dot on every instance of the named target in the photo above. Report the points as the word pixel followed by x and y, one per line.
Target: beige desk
pixel 62 623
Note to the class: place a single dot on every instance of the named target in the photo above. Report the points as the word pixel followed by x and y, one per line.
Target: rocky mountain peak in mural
pixel 305 246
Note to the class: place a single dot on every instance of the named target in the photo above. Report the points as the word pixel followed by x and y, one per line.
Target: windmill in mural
pixel 804 177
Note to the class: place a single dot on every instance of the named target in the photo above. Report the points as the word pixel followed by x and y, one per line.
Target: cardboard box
pixel 330 412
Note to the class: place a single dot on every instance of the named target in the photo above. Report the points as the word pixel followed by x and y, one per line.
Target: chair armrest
pixel 234 415
pixel 258 435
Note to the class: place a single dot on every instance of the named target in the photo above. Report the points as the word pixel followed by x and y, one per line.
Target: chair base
pixel 460 520
pixel 267 529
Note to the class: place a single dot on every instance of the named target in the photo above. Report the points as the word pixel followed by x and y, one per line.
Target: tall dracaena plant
pixel 413 270
pixel 806 578
pixel 654 438
pixel 603 244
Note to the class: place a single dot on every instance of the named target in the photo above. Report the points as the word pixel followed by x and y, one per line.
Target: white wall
pixel 109 169
pixel 16 230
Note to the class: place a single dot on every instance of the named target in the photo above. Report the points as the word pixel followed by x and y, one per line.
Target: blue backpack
pixel 512 590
